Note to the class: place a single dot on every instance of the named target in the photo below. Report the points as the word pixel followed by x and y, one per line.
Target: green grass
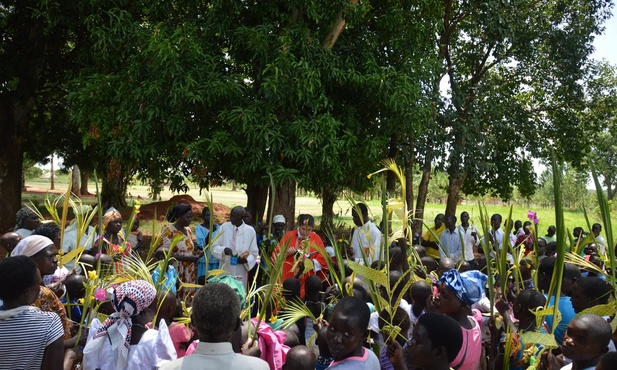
pixel 342 209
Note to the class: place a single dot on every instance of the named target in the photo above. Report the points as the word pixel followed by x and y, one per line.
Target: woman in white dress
pixel 123 341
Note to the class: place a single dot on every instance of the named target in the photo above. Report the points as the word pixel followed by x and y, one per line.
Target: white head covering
pixel 31 245
pixel 278 219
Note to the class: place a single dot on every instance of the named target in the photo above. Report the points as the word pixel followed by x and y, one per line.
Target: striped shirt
pixel 25 335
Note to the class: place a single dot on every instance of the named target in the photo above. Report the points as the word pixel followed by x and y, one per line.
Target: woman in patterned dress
pixel 184 251
pixel 112 241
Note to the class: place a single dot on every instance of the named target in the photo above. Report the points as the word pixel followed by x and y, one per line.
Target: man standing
pixel 469 234
pixel 366 236
pixel 236 239
pixel 430 238
pixel 596 229
pixel 550 235
pixel 451 241
pixel 215 315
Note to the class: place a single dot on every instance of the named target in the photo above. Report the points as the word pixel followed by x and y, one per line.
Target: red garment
pixel 315 252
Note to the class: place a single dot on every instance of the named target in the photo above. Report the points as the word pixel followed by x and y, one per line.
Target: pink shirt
pixel 468 357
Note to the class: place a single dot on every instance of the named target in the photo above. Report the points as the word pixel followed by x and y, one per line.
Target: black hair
pixel 400 319
pixel 571 272
pixel 362 208
pixel 178 211
pixel 16 274
pixel 420 290
pixel 356 309
pixel 310 221
pixel 300 358
pixel 291 288
pixel 595 288
pixel 312 285
pixel 532 298
pixel 609 360
pixel 599 329
pixel 443 331
pixel 216 311
pixel 204 210
pixel 50 230
pixel 429 262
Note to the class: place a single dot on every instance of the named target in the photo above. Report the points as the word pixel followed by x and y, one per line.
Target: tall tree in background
pixel 37 48
pixel 541 47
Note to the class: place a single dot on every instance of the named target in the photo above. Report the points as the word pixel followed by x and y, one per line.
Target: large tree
pixel 38 47
pixel 538 49
pixel 601 116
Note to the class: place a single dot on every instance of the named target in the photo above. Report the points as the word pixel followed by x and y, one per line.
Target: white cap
pixel 278 219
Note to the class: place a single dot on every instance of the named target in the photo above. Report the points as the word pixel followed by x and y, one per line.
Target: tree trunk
pixel 455 184
pixel 84 183
pixel 75 181
pixel 11 159
pixel 422 193
pixel 409 179
pixel 52 186
pixel 257 197
pixel 15 110
pixel 115 183
pixel 390 176
pixel 328 198
pixel 285 202
pixel 336 29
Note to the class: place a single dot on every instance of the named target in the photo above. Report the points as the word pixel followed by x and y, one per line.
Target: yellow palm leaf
pixel 68 257
pixel 546 340
pixel 373 275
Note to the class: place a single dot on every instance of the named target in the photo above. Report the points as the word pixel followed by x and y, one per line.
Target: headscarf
pixel 177 211
pixel 31 245
pixel 468 286
pixel 111 215
pixel 21 216
pixel 129 299
pixel 234 284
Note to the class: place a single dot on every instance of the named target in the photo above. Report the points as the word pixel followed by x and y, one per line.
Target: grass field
pixel 342 208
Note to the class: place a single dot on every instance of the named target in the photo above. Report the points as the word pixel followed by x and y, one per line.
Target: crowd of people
pixel 431 310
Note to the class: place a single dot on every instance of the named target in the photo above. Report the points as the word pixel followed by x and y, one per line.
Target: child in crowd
pixel 347 331
pixel 584 342
pixel 135 237
pixel 312 288
pixel 387 321
pixel 300 358
pixel 75 290
pixel 608 361
pixel 436 341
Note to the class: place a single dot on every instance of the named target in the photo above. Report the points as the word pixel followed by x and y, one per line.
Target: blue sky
pixel 606 44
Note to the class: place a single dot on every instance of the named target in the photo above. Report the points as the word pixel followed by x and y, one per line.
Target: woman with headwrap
pixel 112 241
pixel 43 252
pixel 457 292
pixel 123 341
pixel 184 250
pixel 26 222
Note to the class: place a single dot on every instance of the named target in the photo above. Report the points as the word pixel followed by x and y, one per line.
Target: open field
pixel 342 209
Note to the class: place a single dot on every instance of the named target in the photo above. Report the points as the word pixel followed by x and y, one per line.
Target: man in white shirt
pixel 215 315
pixel 366 236
pixel 450 240
pixel 69 242
pixel 496 235
pixel 596 229
pixel 236 239
pixel 469 234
